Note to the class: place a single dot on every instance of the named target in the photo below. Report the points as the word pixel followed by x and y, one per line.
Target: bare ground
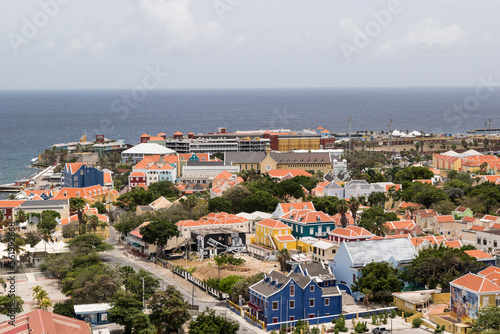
pixel 208 269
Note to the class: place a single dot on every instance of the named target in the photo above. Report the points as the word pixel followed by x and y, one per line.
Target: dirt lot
pixel 207 268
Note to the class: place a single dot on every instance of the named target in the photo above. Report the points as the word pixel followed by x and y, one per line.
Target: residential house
pixel 481 256
pixel 7 207
pixel 41 194
pixel 69 226
pixel 469 294
pixel 421 243
pixel 468 236
pixel 285 174
pixel 489 178
pixel 461 212
pixel 160 203
pixel 274 234
pixel 308 223
pixel 334 189
pixel 349 234
pixel 352 256
pixel 223 182
pixel 324 250
pixel 358 188
pixel 424 219
pixel 136 178
pixel 403 227
pixel 279 299
pixel 154 168
pixel 42 249
pixel 60 206
pixel 134 239
pixel 40 321
pixel 283 208
pixel 488 239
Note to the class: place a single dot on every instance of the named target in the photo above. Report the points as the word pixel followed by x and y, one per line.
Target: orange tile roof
pixel 156 138
pixel 478 254
pixel 489 270
pixel 107 178
pixel 40 321
pixel 476 283
pixel 271 223
pixel 400 225
pixel 224 175
pixel 144 135
pixel 280 173
pixel 287 207
pixel 74 167
pixel 453 244
pixel 468 219
pixel 495 226
pixel 351 231
pixel 445 219
pixel 407 205
pixel 285 238
pixel 178 133
pixel 477 228
pixel 397 236
pixel 494 277
pixel 137 174
pixel 10 203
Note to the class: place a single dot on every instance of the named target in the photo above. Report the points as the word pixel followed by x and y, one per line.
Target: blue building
pixel 81 175
pixel 352 256
pixel 279 299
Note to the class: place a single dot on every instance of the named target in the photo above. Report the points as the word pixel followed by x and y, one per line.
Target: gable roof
pixel 400 225
pixel 287 207
pixel 445 219
pixel 271 223
pixel 478 254
pixel 280 173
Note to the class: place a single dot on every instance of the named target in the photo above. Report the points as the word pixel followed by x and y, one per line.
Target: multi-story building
pixel 279 299
pixel 81 175
pixel 349 234
pixel 274 234
pixel 308 223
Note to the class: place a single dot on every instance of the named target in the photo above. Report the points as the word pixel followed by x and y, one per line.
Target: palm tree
pixel 77 204
pixel 82 228
pixel 379 227
pixel 283 257
pixel 45 303
pixel 94 222
pixel 354 203
pixel 47 236
pixel 431 145
pixel 342 209
pixel 39 294
pixel 18 247
pixel 21 216
pixel 35 291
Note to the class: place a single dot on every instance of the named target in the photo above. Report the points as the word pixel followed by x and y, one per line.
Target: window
pixel 495 244
pixel 327 301
pixel 275 320
pixel 478 241
pixel 266 305
pixel 311 288
pixel 484 241
pixel 311 315
pixel 292 290
pixel 311 302
pixel 275 305
pixel 292 303
pixel 292 318
pixel 311 230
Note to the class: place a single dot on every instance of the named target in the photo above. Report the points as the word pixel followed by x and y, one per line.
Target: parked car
pixel 380 330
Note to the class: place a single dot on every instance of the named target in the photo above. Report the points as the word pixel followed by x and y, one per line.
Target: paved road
pixel 204 300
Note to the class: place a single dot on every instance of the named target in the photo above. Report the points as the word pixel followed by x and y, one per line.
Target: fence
pixel 187 276
pixel 329 318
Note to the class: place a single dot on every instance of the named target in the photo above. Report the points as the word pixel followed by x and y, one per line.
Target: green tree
pixel 260 201
pixel 226 284
pixel 220 204
pixel 439 265
pixel 65 308
pixel 488 320
pixel 342 210
pixel 11 304
pixel 94 222
pixel 169 310
pixel 374 219
pixel 125 310
pixel 39 294
pixel 283 257
pixel 48 220
pixel 240 288
pixel 158 233
pixel 91 284
pixel 381 279
pixel 291 188
pixel 77 204
pixel 408 174
pixel 327 204
pixel 88 242
pixel 377 199
pixel 133 282
pixel 209 323
pixel 237 195
pixel 354 203
pixel 101 208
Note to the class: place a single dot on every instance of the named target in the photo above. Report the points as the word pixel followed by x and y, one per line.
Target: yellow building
pixel 296 143
pixel 275 235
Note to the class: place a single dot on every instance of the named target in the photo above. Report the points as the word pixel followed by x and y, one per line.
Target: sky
pixel 120 44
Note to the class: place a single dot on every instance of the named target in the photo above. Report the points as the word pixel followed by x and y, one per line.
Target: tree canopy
pixel 88 242
pixel 158 233
pixel 209 323
pixel 441 265
pixel 380 279
pixel 169 310
pixel 373 220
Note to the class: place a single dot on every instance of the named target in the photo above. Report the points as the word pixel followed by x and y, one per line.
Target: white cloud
pixel 428 34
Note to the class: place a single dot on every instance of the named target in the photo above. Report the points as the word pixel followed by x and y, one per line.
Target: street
pixel 194 296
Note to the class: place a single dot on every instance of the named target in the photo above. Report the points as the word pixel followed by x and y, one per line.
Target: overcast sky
pixel 72 44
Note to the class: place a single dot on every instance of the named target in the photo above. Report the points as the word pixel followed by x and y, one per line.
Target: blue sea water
pixel 31 121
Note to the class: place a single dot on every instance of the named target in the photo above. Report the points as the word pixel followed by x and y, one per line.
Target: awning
pixel 135 244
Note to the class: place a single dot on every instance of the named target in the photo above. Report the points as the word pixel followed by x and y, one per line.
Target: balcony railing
pixel 255 307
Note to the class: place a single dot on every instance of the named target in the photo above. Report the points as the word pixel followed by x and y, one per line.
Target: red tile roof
pixel 477 228
pixel 40 321
pixel 280 173
pixel 285 238
pixel 445 219
pixel 287 207
pixel 489 270
pixel 478 254
pixel 10 204
pixel 272 224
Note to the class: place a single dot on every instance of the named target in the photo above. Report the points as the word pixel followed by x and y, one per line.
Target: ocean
pixel 31 121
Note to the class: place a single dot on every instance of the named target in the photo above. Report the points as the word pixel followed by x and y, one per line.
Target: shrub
pixel 339 324
pixel 416 323
pixel 394 313
pixel 361 327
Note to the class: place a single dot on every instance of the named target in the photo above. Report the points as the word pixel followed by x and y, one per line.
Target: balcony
pixel 255 307
pixel 320 234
